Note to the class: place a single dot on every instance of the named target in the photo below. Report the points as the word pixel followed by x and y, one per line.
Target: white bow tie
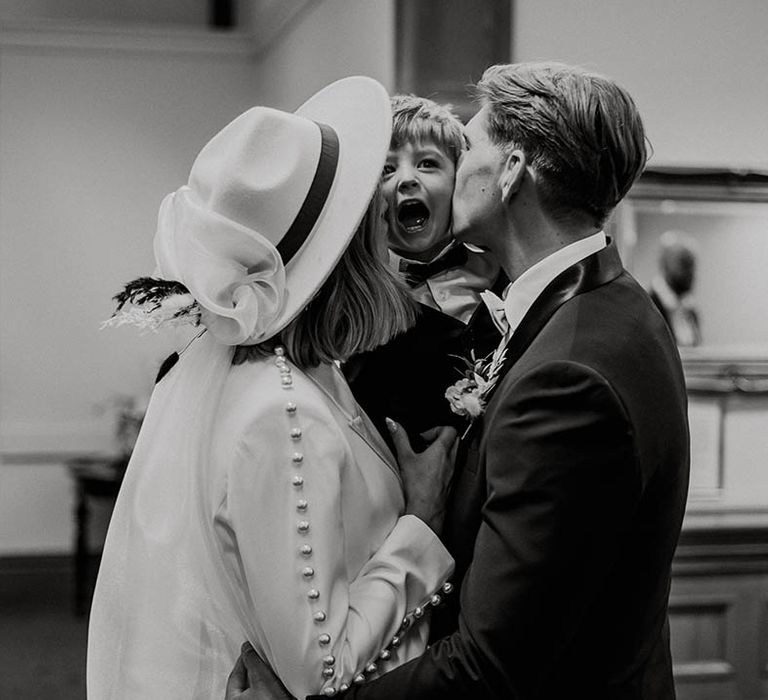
pixel 495 306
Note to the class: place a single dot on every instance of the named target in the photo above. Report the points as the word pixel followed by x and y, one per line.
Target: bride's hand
pixel 253 679
pixel 426 475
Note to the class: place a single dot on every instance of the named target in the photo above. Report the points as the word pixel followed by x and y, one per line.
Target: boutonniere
pixel 467 396
pixel 150 303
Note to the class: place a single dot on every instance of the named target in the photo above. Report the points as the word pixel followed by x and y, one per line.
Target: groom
pixel 569 490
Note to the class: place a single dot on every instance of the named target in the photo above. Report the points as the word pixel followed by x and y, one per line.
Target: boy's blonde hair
pixel 418 119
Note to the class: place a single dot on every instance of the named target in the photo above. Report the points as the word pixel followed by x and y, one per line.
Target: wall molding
pixel 703 671
pixel 42 442
pixel 722 551
pixel 265 22
pixel 125 38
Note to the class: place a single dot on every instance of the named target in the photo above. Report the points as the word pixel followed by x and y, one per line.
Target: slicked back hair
pixel 581 132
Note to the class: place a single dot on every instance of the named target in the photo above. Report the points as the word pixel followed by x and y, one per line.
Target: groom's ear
pixel 512 174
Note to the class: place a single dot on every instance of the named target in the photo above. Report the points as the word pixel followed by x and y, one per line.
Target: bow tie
pixel 416 273
pixel 495 306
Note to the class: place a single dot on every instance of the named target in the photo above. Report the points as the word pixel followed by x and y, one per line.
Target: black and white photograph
pixel 383 349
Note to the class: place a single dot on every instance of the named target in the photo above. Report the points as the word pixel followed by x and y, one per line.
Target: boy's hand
pixel 253 679
pixel 426 475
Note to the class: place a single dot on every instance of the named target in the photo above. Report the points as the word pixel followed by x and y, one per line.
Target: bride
pixel 260 504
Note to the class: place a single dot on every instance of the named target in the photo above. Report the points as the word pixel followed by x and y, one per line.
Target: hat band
pixel 316 196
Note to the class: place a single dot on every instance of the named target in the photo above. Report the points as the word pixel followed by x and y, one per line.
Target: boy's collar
pixel 398 262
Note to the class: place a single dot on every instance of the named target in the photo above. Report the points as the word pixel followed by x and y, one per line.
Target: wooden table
pixel 96 477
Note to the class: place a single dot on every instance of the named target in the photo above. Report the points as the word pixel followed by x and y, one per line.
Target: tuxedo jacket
pixel 566 508
pixel 406 379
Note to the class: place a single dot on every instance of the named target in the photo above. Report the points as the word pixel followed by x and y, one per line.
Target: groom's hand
pixel 253 679
pixel 426 475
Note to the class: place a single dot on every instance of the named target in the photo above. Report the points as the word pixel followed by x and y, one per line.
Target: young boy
pixel 406 379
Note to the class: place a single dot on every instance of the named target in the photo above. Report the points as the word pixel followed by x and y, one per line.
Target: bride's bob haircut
pixel 359 307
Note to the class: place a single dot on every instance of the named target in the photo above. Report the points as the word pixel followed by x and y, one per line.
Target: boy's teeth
pixel 416 225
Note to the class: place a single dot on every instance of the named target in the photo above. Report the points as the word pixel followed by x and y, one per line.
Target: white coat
pixel 289 533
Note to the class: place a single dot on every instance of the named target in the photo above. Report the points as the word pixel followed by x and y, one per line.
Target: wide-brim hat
pixel 272 202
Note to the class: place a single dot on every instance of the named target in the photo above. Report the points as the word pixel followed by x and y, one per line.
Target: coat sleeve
pixel 318 624
pixel 562 481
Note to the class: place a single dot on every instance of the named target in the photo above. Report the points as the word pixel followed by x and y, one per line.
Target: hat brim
pixel 358 109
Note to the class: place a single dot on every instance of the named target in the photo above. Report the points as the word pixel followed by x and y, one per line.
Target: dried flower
pixel 150 303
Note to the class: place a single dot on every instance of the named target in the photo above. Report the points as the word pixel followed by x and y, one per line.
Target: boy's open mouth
pixel 412 215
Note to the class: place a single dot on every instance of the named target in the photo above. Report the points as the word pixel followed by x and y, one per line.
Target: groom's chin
pixel 465 237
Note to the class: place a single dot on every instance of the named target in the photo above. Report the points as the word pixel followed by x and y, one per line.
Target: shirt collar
pixel 396 261
pixel 523 292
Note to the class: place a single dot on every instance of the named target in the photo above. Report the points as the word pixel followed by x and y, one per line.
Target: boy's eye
pixel 388 170
pixel 428 163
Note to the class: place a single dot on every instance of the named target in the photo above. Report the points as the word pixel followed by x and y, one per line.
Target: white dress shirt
pixel 523 292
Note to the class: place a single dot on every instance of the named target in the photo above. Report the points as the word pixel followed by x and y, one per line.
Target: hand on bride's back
pixel 426 475
pixel 253 679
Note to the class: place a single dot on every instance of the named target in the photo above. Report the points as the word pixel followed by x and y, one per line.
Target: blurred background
pixel 104 105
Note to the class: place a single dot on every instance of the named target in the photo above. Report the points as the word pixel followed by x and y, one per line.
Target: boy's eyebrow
pixel 430 148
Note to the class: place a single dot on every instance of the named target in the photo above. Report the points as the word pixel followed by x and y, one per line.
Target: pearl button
pixel 290 407
pixel 343 687
pixel 307 572
pixel 303 526
pixel 395 641
pixel 329 660
pixel 359 678
pixel 371 668
pixel 296 433
pixel 279 351
pixel 418 613
pixel 329 691
pixel 286 380
pixel 297 458
pixel 328 672
pixel 319 616
pixel 305 550
pixel 297 481
pixel 313 594
pixel 301 505
pixel 324 639
pixel 435 600
pixel 385 654
pixel 447 587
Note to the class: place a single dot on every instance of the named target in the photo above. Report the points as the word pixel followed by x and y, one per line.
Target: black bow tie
pixel 416 273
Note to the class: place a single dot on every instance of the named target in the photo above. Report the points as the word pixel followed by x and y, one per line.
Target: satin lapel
pixel 590 273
